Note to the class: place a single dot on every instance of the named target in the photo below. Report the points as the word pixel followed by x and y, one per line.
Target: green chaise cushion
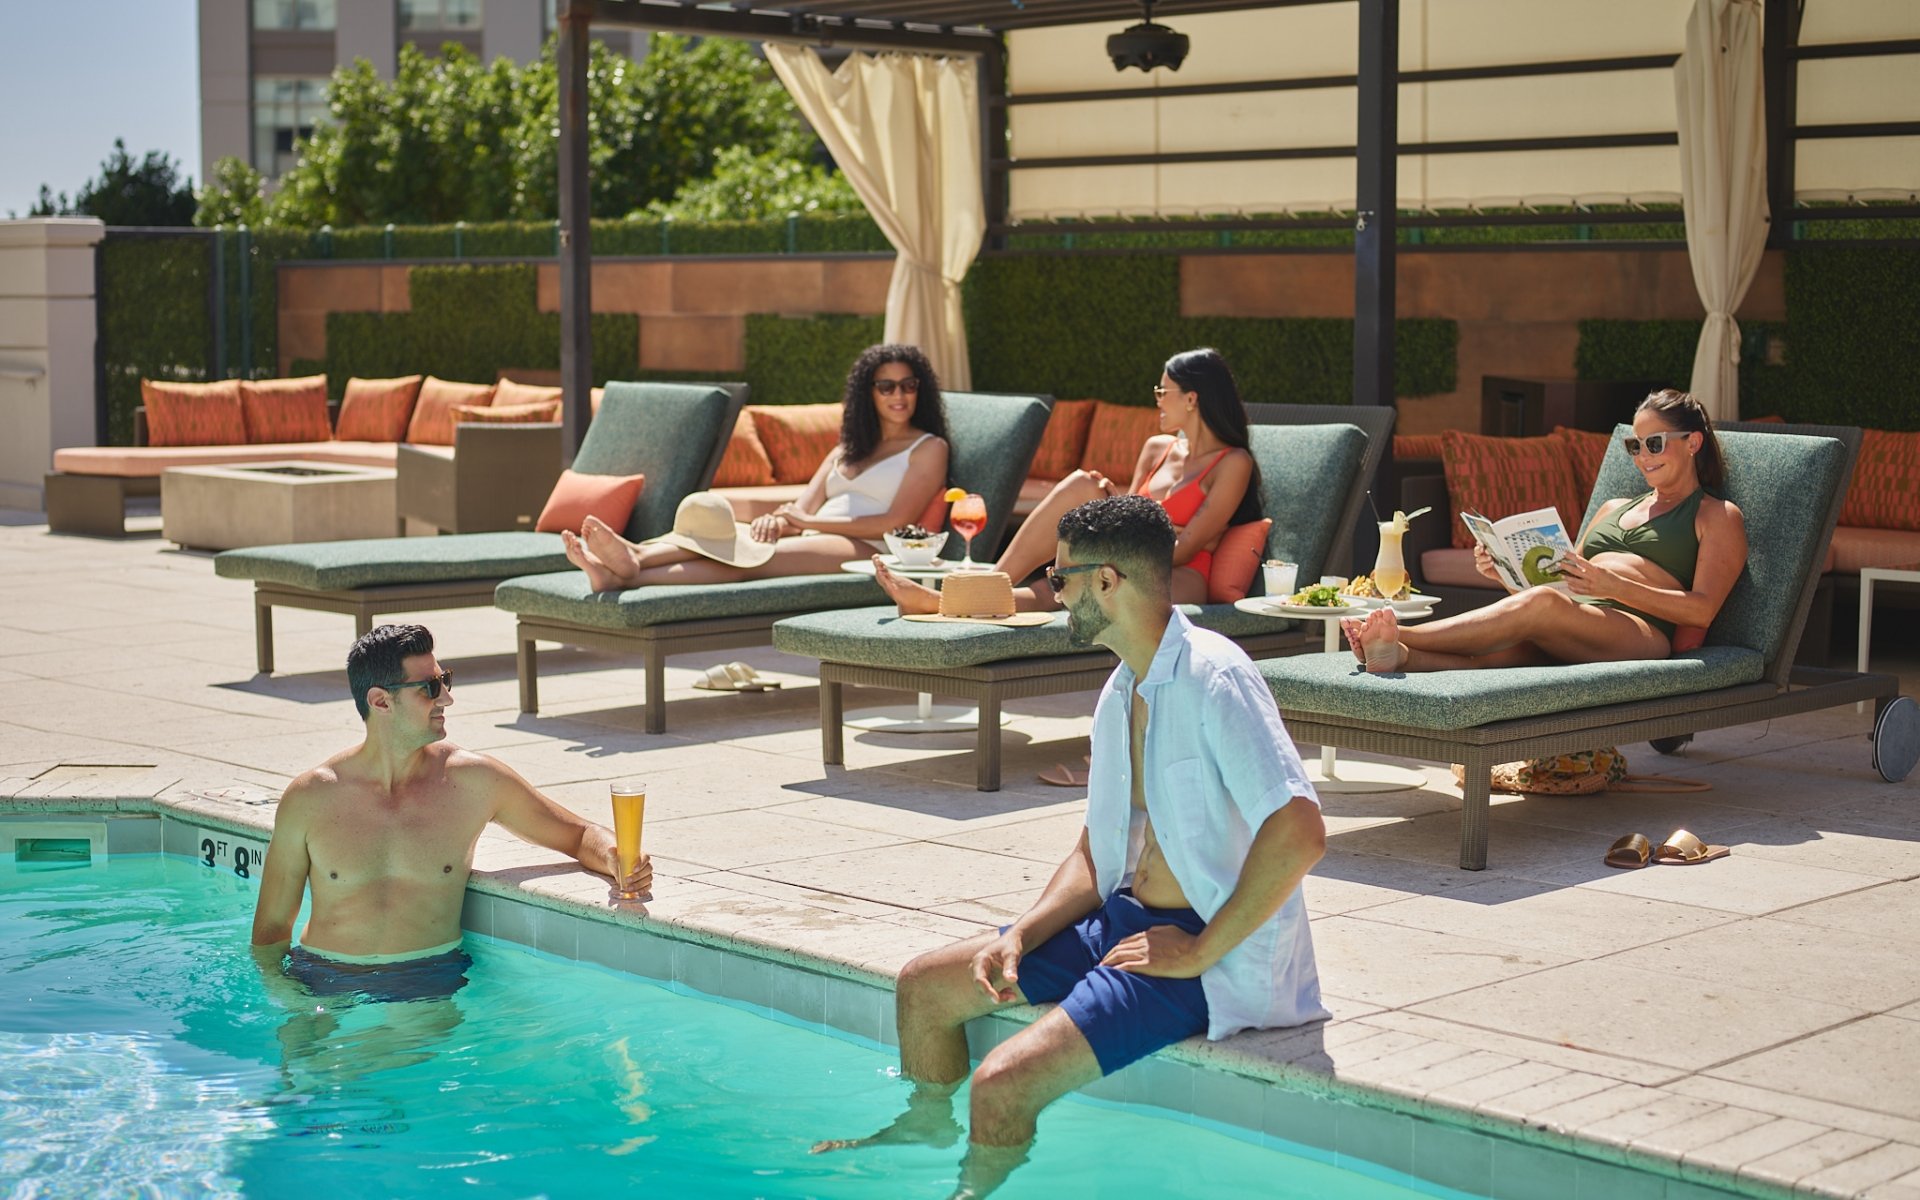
pixel 878 637
pixel 377 562
pixel 566 597
pixel 1334 685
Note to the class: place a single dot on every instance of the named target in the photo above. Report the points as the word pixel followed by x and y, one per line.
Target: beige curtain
pixel 1723 182
pixel 905 128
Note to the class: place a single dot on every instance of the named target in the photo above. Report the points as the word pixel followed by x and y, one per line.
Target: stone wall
pixel 47 333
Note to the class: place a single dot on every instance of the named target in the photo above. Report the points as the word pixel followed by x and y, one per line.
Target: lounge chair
pixel 1313 475
pixel 991 440
pixel 674 434
pixel 1789 483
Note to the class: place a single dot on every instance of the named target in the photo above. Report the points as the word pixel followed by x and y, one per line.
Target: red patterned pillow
pixel 1885 492
pixel 1065 441
pixel 432 423
pixel 797 437
pixel 540 412
pixel 194 414
pixel 1585 450
pixel 377 410
pixel 745 464
pixel 286 410
pixel 1498 477
pixel 1115 436
pixel 1416 445
pixel 1235 559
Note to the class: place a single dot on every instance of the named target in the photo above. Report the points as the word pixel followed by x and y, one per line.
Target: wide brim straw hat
pixel 704 524
pixel 980 598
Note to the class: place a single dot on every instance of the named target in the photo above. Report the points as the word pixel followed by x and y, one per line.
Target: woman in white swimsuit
pixel 889 465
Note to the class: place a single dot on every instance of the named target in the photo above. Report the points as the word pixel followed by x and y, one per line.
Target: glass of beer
pixel 629 813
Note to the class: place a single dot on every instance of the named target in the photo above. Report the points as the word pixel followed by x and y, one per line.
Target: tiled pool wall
pixel 1306 1114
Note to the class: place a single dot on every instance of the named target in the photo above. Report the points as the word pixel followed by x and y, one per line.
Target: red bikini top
pixel 1184 501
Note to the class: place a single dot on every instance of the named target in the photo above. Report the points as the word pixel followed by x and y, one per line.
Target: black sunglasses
pixel 887 387
pixel 1656 443
pixel 1057 576
pixel 432 685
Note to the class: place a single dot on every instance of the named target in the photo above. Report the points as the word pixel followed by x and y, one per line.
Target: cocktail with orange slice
pixel 968 516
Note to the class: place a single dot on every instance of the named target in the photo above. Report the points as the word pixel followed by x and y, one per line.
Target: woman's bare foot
pixel 599 577
pixel 606 544
pixel 1351 626
pixel 1380 646
pixel 910 595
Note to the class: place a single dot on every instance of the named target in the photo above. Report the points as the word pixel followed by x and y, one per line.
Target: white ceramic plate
pixel 864 566
pixel 1262 606
pixel 1412 606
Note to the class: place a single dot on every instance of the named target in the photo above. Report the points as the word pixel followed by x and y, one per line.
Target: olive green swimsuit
pixel 1668 541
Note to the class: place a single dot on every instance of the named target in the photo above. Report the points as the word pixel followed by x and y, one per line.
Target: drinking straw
pixel 1373 506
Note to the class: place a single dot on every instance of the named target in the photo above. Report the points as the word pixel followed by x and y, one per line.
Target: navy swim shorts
pixel 429 977
pixel 1122 1015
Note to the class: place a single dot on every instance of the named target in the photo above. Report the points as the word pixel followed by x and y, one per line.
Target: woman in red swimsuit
pixel 1198 467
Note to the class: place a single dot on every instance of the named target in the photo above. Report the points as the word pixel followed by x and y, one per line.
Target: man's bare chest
pixel 360 838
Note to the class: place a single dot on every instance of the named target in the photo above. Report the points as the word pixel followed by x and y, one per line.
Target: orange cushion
pixel 540 412
pixel 594 396
pixel 432 423
pixel 1115 436
pixel 1498 477
pixel 1885 492
pixel 509 392
pixel 194 414
pixel 1584 449
pixel 745 464
pixel 1065 441
pixel 576 497
pixel 1416 445
pixel 1235 559
pixel 377 410
pixel 286 410
pixel 797 437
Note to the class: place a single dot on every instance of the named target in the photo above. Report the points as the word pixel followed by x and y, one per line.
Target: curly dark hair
pixel 860 424
pixel 378 659
pixel 1131 532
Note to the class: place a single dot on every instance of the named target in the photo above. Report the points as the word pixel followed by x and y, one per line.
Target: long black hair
pixel 1679 410
pixel 1205 373
pixel 860 424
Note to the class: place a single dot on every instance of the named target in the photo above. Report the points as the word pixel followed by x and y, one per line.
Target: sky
pixel 78 75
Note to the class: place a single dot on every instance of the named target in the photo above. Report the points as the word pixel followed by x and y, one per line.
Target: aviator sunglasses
pixel 432 685
pixel 1655 443
pixel 1057 576
pixel 887 387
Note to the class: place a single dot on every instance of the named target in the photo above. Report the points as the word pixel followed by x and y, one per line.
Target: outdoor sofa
pixel 672 433
pixel 1315 463
pixel 1789 485
pixel 991 439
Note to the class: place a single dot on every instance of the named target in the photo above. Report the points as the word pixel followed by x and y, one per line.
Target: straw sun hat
pixel 980 598
pixel 704 524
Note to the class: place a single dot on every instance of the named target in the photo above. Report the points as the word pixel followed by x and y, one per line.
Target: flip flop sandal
pixel 1682 849
pixel 1062 775
pixel 1630 853
pixel 734 677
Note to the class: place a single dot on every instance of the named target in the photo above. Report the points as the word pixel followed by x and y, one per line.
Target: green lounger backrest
pixel 1789 486
pixel 991 440
pixel 1374 420
pixel 1308 475
pixel 673 433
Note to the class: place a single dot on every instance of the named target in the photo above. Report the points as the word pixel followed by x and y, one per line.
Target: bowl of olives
pixel 914 546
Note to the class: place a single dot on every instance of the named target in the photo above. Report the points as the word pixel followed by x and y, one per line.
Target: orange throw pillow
pixel 745 464
pixel 509 392
pixel 1885 492
pixel 432 423
pixel 377 410
pixel 194 414
pixel 1235 559
pixel 538 413
pixel 1416 445
pixel 1585 449
pixel 797 437
pixel 1065 440
pixel 286 410
pixel 1498 477
pixel 576 497
pixel 1115 436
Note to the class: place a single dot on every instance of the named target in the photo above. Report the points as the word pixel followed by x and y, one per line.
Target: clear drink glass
pixel 629 798
pixel 968 517
pixel 1389 567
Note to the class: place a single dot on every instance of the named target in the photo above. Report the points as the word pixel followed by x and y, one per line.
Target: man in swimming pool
pixel 1178 911
pixel 384 834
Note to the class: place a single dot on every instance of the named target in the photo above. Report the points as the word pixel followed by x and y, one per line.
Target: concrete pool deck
pixel 1756 1017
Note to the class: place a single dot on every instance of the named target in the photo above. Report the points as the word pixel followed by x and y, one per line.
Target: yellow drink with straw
pixel 629 814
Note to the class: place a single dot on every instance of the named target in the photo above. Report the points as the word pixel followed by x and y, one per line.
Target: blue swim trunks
pixel 1122 1015
pixel 432 976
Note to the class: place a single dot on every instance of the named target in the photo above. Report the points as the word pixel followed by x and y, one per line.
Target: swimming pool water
pixel 140 1054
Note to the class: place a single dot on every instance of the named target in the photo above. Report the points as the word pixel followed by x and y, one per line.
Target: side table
pixel 1868 577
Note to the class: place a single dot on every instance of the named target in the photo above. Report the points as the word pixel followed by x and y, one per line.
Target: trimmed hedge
pixel 1854 353
pixel 1104 327
pixel 153 319
pixel 804 360
pixel 1664 350
pixel 815 233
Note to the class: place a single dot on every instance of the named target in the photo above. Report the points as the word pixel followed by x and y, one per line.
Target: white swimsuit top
pixel 873 493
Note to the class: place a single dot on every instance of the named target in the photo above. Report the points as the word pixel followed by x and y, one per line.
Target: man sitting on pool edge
pixel 1177 912
pixel 385 834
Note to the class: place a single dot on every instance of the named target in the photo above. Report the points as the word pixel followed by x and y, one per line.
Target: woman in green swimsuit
pixel 1652 571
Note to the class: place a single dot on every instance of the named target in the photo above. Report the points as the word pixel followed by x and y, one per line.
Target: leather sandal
pixel 1682 849
pixel 1630 852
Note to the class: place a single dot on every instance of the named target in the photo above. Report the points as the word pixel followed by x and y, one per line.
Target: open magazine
pixel 1526 549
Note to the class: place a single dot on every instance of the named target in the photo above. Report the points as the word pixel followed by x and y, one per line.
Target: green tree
pixel 148 192
pixel 746 186
pixel 235 194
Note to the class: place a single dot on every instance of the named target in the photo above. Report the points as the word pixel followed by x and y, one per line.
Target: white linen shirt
pixel 1218 763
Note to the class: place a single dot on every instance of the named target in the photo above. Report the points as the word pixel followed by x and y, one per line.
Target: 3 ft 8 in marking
pixel 242 857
